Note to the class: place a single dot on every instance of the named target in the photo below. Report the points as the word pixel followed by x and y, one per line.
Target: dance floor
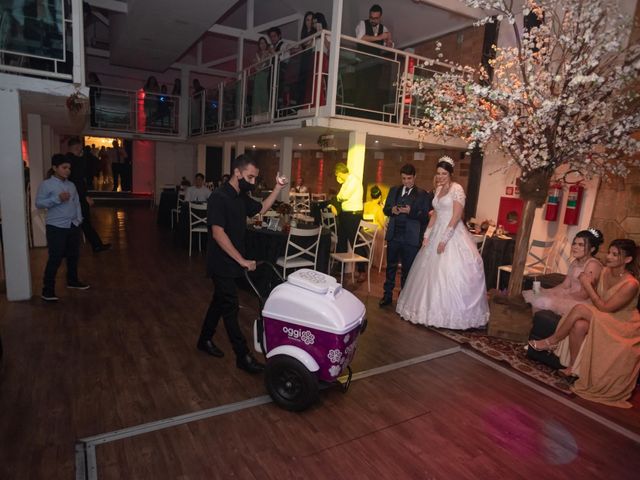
pixel 107 384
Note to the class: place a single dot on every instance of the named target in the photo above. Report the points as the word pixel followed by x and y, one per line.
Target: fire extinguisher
pixel 553 202
pixel 574 203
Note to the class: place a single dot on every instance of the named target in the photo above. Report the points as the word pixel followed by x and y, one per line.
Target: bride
pixel 446 286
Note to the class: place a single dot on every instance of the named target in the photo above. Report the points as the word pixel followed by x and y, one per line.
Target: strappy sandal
pixel 541 345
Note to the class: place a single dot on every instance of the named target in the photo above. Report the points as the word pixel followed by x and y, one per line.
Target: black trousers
pixel 347 227
pixel 122 171
pixel 398 250
pixel 225 304
pixel 61 242
pixel 89 232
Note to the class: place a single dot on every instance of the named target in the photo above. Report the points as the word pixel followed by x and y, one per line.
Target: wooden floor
pixel 122 354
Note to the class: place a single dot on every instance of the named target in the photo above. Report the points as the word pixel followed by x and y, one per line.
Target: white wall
pixel 494 182
pixel 173 161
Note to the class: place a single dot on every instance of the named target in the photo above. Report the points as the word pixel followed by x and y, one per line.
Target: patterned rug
pixel 509 352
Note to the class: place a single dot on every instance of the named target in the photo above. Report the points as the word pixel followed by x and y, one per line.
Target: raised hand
pixel 281 180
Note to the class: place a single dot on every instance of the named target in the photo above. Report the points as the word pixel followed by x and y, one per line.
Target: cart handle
pixel 253 286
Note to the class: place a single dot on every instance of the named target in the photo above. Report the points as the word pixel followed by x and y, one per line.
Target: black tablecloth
pixel 267 245
pixel 497 252
pixel 168 200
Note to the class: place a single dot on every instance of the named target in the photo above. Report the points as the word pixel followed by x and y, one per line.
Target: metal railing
pixel 134 111
pixel 293 84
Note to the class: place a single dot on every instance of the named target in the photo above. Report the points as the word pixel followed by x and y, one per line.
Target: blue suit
pixel 404 232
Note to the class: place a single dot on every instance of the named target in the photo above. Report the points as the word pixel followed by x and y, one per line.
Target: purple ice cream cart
pixel 308 331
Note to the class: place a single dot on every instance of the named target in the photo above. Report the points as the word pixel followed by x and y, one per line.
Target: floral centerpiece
pixel 566 93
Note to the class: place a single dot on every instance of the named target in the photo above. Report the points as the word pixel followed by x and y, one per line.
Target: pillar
pixel 12 200
pixel 355 155
pixel 284 165
pixel 201 158
pixel 38 164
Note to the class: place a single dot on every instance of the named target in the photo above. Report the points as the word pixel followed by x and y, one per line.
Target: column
pixel 355 155
pixel 201 158
pixel 240 147
pixel 12 200
pixel 334 55
pixel 37 167
pixel 284 165
pixel 226 157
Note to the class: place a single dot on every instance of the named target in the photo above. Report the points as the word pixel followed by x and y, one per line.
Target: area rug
pixel 509 352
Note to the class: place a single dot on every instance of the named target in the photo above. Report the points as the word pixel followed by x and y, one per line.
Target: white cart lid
pixel 315 281
pixel 314 300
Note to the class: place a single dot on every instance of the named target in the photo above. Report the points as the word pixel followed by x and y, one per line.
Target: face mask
pixel 245 186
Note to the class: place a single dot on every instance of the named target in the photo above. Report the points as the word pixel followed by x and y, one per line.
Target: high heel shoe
pixel 542 345
pixel 567 374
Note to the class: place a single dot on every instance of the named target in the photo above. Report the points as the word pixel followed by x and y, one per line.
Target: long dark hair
pixel 628 248
pixel 593 238
pixel 304 32
pixel 319 17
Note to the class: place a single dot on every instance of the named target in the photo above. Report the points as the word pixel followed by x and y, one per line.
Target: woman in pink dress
pixel 562 298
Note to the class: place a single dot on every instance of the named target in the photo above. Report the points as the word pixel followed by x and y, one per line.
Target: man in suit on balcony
pixel 407 207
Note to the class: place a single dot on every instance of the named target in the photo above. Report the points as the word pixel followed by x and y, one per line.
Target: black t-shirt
pixel 229 210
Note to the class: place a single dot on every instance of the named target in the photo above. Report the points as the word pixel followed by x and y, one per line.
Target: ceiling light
pixel 299 144
pixel 274 145
pixel 253 146
pixel 376 141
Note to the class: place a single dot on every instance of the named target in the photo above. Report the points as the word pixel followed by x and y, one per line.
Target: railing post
pixel 203 110
pixel 275 67
pixel 334 56
pixel 220 106
pixel 403 89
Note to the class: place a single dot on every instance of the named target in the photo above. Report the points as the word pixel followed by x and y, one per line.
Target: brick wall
pixel 463 46
pixel 382 167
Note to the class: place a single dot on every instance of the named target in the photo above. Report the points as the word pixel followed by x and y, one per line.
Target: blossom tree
pixel 565 94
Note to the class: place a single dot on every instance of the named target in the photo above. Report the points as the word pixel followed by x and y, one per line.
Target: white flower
pixel 334 355
pixel 307 337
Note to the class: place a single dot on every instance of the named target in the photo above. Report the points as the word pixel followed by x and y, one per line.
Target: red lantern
pixel 553 202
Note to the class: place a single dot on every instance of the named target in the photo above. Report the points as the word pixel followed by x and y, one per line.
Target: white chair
pixel 540 260
pixel 298 256
pixel 318 197
pixel 365 237
pixel 175 212
pixel 384 246
pixel 300 202
pixel 197 222
pixel 328 220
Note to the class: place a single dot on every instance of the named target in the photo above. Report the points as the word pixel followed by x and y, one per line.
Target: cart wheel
pixel 291 385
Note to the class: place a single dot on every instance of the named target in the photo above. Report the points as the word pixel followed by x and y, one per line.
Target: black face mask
pixel 245 186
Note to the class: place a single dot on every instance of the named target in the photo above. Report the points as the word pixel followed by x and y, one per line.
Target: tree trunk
pixel 521 250
pixel 533 190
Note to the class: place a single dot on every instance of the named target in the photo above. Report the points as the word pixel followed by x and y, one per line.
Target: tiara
pixel 448 160
pixel 593 232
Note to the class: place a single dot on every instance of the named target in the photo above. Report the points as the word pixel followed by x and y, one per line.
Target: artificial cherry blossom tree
pixel 565 94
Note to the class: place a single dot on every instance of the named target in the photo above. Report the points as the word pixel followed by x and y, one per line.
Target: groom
pixel 407 207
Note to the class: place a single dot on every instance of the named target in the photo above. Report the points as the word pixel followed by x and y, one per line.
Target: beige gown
pixel 609 359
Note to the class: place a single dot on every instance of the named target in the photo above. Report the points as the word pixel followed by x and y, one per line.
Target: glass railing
pixel 36 38
pixel 293 84
pixel 134 111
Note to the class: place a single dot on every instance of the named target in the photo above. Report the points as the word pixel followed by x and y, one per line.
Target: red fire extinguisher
pixel 553 202
pixel 574 203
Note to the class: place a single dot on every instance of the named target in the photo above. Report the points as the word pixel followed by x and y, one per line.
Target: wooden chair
pixel 540 253
pixel 365 237
pixel 298 256
pixel 197 222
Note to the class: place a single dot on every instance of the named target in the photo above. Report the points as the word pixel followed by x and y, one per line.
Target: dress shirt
pixel 195 194
pixel 406 191
pixel 351 194
pixel 361 30
pixel 59 214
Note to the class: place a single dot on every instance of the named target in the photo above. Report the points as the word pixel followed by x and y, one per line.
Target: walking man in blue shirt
pixel 64 216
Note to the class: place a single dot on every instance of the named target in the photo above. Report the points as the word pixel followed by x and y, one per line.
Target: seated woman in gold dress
pixel 600 343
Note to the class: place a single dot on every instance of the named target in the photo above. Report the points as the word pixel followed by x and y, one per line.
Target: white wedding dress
pixel 446 290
